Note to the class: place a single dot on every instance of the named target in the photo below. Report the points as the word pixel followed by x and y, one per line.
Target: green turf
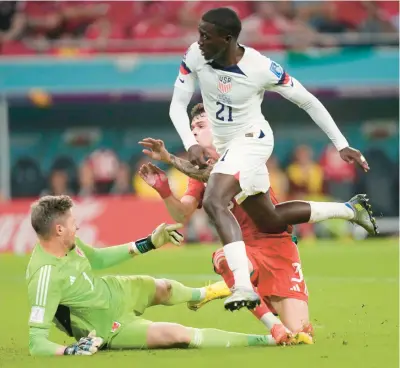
pixel 353 304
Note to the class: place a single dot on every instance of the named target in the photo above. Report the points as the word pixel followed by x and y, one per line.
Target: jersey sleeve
pixel 105 257
pixel 186 79
pixel 276 79
pixel 274 75
pixel 195 189
pixel 39 345
pixel 44 294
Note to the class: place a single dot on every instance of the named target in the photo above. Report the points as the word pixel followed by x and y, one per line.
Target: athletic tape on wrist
pixel 143 245
pixel 165 192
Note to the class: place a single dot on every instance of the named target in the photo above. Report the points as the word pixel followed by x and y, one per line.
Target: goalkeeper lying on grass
pixel 103 312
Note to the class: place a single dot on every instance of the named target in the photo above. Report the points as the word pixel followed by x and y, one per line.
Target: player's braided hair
pixel 225 20
pixel 197 109
pixel 47 209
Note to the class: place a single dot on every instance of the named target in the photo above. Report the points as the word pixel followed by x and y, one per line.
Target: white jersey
pixel 232 96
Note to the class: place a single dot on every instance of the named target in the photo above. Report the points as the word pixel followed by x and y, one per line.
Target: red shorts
pixel 277 268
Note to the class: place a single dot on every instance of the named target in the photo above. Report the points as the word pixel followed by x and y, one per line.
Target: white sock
pixel 321 211
pixel 269 320
pixel 271 340
pixel 236 257
pixel 202 293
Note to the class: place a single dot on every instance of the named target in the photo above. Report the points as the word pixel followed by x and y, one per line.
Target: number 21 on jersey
pixel 224 113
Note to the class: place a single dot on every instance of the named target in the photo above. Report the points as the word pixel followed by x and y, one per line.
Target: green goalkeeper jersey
pixel 95 302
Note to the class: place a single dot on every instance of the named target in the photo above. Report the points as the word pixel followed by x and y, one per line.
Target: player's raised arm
pixel 100 258
pixel 178 114
pixel 155 149
pixel 181 210
pixel 278 80
pixel 183 92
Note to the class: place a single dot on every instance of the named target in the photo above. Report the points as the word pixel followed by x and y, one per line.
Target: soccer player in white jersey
pixel 233 79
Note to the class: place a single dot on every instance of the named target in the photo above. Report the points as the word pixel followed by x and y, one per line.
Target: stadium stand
pixel 80 27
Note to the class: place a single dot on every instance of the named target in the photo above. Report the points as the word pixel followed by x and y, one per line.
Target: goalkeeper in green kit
pixel 104 312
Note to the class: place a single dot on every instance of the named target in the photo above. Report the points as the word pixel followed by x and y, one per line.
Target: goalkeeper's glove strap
pixel 144 245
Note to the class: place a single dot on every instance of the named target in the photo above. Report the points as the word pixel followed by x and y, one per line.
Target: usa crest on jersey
pixel 224 83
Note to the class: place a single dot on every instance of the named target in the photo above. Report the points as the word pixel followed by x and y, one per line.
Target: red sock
pixel 260 310
pixel 221 268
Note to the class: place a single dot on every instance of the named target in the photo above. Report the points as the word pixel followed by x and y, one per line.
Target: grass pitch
pixel 354 306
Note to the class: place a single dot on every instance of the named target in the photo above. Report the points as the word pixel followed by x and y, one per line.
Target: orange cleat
pixel 281 335
pixel 308 329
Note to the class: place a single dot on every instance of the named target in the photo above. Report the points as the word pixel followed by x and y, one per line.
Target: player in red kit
pixel 275 269
pixel 274 261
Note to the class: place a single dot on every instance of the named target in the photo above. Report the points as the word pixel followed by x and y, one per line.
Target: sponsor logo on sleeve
pixel 276 69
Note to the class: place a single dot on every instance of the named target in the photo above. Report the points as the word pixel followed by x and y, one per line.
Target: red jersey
pixel 250 231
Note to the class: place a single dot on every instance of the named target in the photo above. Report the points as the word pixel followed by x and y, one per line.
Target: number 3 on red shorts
pixel 297 270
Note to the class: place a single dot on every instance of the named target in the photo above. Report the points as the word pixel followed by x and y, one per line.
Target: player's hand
pixel 351 155
pixel 197 156
pixel 156 149
pixel 156 178
pixel 85 346
pixel 165 233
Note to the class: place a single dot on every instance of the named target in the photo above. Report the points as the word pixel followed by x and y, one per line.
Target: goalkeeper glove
pixel 85 346
pixel 162 235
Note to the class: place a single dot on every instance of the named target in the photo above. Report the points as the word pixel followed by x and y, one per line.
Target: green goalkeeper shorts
pixel 130 331
pixel 132 334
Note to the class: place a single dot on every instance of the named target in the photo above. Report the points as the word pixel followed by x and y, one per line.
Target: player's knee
pixel 212 205
pixel 163 290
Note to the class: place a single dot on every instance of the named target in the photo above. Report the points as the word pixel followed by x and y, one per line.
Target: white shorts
pixel 246 157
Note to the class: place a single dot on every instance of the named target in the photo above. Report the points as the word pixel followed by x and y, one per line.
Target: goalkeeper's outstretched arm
pixel 39 345
pixel 101 258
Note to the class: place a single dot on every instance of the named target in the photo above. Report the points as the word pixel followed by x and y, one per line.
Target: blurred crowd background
pixel 30 27
pixel 89 148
